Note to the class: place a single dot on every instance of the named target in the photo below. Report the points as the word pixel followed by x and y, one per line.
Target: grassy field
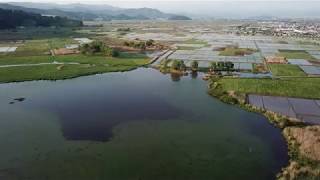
pixel 35 50
pixel 295 54
pixel 41 47
pixel 33 47
pixel 88 65
pixel 236 51
pixel 292 87
pixel 53 72
pixel 194 41
pixel 187 48
pixel 286 70
pixel 125 58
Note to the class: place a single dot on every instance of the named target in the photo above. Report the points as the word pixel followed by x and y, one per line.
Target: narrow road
pixel 158 59
pixel 39 64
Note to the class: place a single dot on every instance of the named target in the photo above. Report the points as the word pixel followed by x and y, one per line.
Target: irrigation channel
pixel 132 125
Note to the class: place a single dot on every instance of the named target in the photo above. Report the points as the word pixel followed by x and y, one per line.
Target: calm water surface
pixel 134 125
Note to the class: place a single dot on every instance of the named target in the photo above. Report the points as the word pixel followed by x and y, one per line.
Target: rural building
pixel 276 60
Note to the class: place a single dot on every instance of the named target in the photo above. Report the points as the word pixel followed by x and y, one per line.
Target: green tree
pixel 115 53
pixel 213 66
pixel 175 65
pixel 194 65
pixel 149 42
pixel 220 66
pixel 178 65
pixel 126 43
pixel 98 47
pixel 229 66
pixel 108 51
pixel 183 67
pixel 84 49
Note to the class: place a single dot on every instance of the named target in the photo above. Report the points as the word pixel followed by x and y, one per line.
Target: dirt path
pixel 39 64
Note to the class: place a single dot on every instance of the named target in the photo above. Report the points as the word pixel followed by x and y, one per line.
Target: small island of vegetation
pixel 235 51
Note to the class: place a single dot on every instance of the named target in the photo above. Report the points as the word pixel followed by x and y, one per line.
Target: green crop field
pixel 79 58
pixel 56 72
pixel 41 47
pixel 33 47
pixel 286 70
pixel 231 51
pixel 292 87
pixel 33 52
pixel 187 48
pixel 295 54
pixel 88 65
pixel 194 41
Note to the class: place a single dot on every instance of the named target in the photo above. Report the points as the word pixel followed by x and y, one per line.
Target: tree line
pixel 11 19
pixel 98 47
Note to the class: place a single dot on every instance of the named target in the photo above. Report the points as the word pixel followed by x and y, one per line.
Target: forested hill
pixel 10 19
pixel 87 12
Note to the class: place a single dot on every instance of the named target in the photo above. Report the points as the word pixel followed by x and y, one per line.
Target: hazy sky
pixel 225 8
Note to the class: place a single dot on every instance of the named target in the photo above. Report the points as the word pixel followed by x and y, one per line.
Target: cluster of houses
pixel 281 28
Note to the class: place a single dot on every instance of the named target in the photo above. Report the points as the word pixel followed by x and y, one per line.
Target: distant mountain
pixel 89 12
pixel 51 12
pixel 75 7
pixel 179 17
pixel 10 19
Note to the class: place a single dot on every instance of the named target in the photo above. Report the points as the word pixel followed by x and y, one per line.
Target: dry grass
pixel 307 139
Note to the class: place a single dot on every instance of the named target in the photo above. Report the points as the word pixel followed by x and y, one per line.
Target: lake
pixel 132 125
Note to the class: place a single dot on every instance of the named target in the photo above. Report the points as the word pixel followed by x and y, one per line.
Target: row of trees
pixel 222 66
pixel 178 65
pixel 10 19
pixel 98 47
pixel 215 66
pixel 139 44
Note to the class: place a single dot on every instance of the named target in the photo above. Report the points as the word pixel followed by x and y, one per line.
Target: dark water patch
pixel 19 99
pixel 259 126
pixel 94 120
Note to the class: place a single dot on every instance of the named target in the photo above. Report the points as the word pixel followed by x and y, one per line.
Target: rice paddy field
pixel 296 54
pixel 290 107
pixel 290 87
pixel 236 52
pixel 286 70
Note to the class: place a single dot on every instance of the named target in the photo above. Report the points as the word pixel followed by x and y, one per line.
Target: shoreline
pixel 299 165
pixel 70 77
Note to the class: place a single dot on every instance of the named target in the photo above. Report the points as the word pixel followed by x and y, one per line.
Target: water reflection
pixel 175 77
pixel 194 74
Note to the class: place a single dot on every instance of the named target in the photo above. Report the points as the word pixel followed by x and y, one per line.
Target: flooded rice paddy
pixel 133 125
pixel 291 107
